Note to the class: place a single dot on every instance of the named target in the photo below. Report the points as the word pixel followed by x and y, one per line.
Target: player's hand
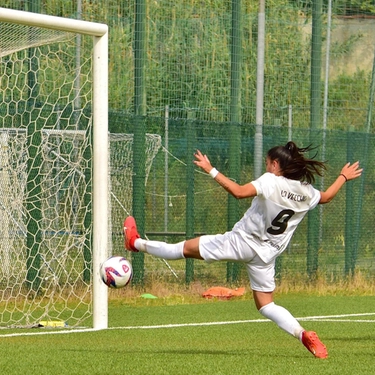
pixel 202 161
pixel 351 171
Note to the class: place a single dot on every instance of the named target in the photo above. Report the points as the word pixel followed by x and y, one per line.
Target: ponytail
pixel 294 165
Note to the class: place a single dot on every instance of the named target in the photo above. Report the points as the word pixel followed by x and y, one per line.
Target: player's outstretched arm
pixel 348 172
pixel 232 187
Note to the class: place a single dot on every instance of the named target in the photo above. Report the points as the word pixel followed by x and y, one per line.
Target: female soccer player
pixel 283 196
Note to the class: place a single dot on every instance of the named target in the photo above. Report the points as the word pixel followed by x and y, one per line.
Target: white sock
pixel 161 249
pixel 283 318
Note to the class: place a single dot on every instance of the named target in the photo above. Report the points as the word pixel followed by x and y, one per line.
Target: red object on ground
pixel 222 292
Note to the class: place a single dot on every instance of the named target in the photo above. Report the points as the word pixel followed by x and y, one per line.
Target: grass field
pixel 209 337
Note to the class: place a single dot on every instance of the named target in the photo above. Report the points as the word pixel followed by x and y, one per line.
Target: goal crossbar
pixel 53 22
pixel 99 32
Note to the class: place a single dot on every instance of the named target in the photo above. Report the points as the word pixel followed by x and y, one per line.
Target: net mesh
pixel 46 185
pixel 46 178
pixel 121 180
pixel 34 37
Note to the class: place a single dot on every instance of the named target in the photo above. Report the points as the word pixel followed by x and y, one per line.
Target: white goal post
pixel 99 32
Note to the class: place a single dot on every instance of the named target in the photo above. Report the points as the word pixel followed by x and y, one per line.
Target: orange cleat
pixel 130 233
pixel 311 340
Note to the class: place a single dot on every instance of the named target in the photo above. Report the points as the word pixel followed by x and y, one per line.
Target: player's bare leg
pixel 191 249
pixel 262 298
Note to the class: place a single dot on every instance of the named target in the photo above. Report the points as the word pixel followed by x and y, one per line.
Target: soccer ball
pixel 116 272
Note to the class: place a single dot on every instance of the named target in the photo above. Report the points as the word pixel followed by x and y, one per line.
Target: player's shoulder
pixel 269 180
pixel 265 184
pixel 267 176
pixel 296 184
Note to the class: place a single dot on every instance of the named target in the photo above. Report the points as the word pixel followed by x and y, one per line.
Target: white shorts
pixel 232 248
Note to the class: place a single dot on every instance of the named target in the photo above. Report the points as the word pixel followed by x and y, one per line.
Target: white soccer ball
pixel 116 272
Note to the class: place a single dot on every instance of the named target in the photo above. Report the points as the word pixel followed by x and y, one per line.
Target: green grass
pixel 239 348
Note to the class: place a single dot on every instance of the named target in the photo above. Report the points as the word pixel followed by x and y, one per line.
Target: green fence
pixel 334 242
pixel 194 66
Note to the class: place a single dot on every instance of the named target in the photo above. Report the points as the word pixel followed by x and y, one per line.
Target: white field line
pixel 322 318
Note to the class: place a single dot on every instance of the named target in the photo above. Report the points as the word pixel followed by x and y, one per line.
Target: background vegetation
pixel 188 69
pixel 188 57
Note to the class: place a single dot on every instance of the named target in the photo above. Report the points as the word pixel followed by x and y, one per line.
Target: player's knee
pixel 191 249
pixel 262 299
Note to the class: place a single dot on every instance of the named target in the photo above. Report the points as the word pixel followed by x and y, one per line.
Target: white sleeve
pixel 264 184
pixel 315 197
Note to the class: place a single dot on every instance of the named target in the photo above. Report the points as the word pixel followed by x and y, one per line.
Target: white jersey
pixel 280 205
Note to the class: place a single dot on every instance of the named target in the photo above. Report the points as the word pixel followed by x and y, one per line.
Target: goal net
pixel 53 200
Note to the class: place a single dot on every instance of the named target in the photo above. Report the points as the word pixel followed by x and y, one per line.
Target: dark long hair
pixel 294 165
